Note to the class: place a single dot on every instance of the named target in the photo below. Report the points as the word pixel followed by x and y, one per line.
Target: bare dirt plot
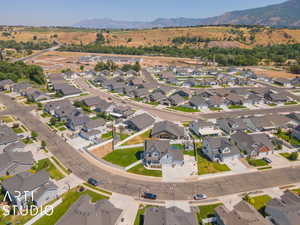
pixel 102 151
pixel 274 74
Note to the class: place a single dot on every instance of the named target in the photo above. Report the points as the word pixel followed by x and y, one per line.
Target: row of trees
pixel 20 70
pixel 191 40
pixel 224 56
pixel 111 66
pixel 24 45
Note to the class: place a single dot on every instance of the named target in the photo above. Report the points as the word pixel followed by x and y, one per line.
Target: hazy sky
pixel 68 12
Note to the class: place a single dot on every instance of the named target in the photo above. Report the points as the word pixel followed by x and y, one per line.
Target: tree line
pixel 111 66
pixel 224 56
pixel 24 45
pixel 20 71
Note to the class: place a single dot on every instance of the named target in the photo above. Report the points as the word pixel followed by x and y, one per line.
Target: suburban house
pixel 14 147
pixel 66 89
pixel 5 85
pixel 284 210
pixel 12 163
pixel 53 107
pixel 156 96
pixel 272 97
pixel 77 120
pixel 35 95
pixel 122 111
pixel 173 216
pixel 230 126
pixel 7 136
pixel 253 145
pixel 234 99
pixel 242 214
pixel 98 124
pixel 160 152
pixel 198 102
pixel 83 211
pixel 167 130
pixel 296 132
pixel 216 102
pixel 104 107
pixel 92 102
pixel 25 183
pixel 219 149
pixel 91 135
pixel 20 87
pixel 140 122
pixel 176 99
pixel 203 128
pixel 282 82
pixel 254 99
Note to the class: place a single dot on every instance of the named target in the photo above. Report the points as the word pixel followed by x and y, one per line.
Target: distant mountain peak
pixel 283 14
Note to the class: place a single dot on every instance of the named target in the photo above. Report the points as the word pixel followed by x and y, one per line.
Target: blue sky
pixel 68 12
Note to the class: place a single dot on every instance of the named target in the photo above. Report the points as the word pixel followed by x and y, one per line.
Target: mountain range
pixel 286 14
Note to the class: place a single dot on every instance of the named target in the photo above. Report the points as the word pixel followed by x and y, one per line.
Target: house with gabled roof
pixel 167 130
pixel 140 122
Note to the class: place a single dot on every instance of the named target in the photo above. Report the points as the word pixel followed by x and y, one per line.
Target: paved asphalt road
pixel 118 182
pixel 37 54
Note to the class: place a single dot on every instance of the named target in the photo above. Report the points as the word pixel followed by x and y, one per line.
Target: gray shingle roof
pixel 7 135
pixel 142 121
pixel 169 127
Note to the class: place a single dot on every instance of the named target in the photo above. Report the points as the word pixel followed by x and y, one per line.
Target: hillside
pixel 283 14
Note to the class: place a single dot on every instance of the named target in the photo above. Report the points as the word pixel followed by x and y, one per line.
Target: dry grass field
pixel 219 36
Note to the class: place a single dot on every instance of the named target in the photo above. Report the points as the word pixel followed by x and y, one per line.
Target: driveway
pixel 180 173
pixel 277 160
pixel 236 166
pixel 79 143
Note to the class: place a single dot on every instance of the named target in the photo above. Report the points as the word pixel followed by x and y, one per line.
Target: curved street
pixel 116 181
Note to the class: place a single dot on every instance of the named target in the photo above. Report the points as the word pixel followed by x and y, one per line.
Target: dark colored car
pixel 149 196
pixel 93 182
pixel 267 160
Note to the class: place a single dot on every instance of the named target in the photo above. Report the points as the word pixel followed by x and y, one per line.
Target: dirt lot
pixel 273 73
pixel 102 151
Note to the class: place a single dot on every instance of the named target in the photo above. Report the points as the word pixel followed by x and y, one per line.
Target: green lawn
pixel 291 103
pixel 139 219
pixel 123 136
pixel 124 157
pixel 257 162
pixel 6 119
pixel 68 199
pixel 272 104
pixel 297 191
pixel 260 202
pixel 45 115
pixel 206 211
pixel 18 130
pixel 138 139
pixel 287 156
pixel 237 107
pixel 141 170
pixel 184 109
pixel 107 136
pixel 97 189
pixel 48 165
pixel 205 166
pixel 215 109
pixel 60 165
pixel 27 141
pixel 287 137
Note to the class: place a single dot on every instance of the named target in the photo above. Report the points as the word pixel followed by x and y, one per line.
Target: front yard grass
pixel 141 170
pixel 68 199
pixel 291 103
pixel 206 211
pixel 6 119
pixel 107 136
pixel 138 139
pixel 215 109
pixel 139 219
pixel 18 130
pixel 49 166
pixel 260 202
pixel 257 162
pixel 60 165
pixel 184 109
pixel 287 137
pixel 205 166
pixel 288 155
pixel 27 141
pixel 124 157
pixel 97 189
pixel 237 107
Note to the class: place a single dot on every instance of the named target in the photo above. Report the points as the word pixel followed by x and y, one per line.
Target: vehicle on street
pixel 267 160
pixel 93 182
pixel 199 196
pixel 149 196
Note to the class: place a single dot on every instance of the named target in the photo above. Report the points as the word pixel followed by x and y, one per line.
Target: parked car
pixel 199 196
pixel 267 160
pixel 93 182
pixel 149 196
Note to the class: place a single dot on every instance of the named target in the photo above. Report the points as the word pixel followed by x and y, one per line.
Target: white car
pixel 199 196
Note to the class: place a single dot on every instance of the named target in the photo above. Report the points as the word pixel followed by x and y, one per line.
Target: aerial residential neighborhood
pixel 167 113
